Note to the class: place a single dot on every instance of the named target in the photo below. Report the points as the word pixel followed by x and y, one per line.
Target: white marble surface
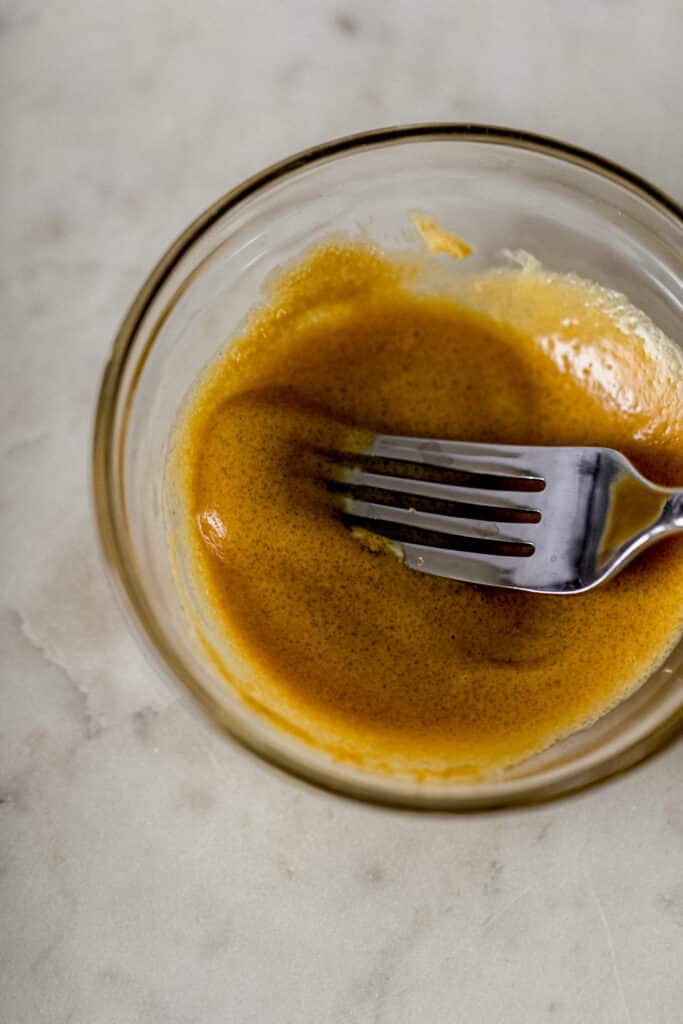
pixel 150 872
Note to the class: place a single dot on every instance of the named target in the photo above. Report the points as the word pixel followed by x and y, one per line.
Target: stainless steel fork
pixel 542 519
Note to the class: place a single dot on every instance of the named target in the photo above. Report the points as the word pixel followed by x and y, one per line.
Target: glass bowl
pixel 503 189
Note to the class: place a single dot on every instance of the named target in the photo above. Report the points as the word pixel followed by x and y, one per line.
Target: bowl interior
pixel 500 193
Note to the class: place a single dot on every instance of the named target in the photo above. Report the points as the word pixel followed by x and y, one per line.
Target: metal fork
pixel 541 519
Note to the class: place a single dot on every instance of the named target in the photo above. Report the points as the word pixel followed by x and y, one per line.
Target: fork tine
pixel 441 492
pixel 508 461
pixel 378 516
pixel 464 566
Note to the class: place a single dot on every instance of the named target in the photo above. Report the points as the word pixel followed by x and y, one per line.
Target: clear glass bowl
pixel 502 189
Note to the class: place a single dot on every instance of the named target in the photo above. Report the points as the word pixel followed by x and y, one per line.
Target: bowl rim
pixel 112 532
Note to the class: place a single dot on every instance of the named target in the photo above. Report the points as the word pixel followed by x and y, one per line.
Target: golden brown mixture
pixel 371 661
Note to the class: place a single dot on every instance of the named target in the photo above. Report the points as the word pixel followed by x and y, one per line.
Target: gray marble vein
pixel 150 872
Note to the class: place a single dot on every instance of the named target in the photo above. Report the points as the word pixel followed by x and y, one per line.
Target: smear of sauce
pixel 348 648
pixel 437 239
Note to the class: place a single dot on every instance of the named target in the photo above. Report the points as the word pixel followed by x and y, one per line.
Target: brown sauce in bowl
pixel 349 649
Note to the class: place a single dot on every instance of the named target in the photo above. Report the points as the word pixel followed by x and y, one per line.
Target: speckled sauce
pixel 351 650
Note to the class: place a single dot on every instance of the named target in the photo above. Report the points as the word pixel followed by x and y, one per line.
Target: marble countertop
pixel 150 872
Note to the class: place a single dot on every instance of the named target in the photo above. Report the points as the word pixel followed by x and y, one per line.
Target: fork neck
pixel 672 513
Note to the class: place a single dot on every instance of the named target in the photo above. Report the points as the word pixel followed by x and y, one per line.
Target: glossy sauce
pixel 349 649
